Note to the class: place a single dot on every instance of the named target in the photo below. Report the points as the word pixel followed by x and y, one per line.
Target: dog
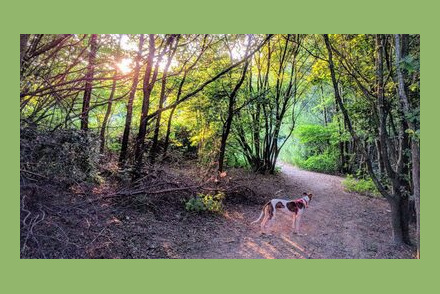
pixel 295 208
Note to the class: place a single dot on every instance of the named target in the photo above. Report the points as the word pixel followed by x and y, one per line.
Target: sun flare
pixel 125 65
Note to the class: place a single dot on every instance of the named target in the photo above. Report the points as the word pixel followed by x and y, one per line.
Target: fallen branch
pixel 138 192
pixel 170 190
pixel 32 173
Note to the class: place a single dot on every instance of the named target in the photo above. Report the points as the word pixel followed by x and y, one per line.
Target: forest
pixel 169 145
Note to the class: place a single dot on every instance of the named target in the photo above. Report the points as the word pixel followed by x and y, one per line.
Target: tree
pixel 102 136
pixel 409 109
pixel 274 92
pixel 88 84
pixel 129 115
pixel 149 82
pixel 171 52
pixel 231 105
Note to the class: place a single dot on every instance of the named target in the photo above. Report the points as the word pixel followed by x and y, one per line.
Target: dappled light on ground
pixel 90 226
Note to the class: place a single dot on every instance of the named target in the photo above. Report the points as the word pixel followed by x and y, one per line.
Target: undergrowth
pixel 361 186
pixel 206 202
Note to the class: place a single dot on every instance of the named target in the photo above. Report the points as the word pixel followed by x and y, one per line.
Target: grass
pixel 361 186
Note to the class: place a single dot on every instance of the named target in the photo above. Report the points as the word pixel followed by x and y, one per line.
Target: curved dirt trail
pixel 337 225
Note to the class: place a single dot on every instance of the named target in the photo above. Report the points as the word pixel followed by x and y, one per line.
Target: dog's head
pixel 310 195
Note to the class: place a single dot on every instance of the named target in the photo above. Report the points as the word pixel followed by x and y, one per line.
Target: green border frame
pixel 196 16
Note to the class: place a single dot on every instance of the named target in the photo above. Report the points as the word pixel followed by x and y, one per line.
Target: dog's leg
pixel 294 223
pixel 264 221
pixel 268 214
pixel 297 225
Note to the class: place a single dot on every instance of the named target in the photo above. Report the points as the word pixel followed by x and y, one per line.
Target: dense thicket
pixel 334 103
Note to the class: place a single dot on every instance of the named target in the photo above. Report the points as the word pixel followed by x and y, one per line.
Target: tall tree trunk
pixel 167 136
pixel 110 101
pixel 379 157
pixel 168 133
pixel 341 143
pixel 24 38
pixel 155 143
pixel 89 80
pixel 102 138
pixel 228 122
pixel 148 85
pixel 400 200
pixel 415 148
pixel 129 115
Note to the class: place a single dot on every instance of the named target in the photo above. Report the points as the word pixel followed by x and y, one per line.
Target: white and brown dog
pixel 295 208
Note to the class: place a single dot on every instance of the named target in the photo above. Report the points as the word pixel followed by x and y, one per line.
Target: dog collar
pixel 306 200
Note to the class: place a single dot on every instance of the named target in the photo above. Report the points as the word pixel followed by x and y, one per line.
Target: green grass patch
pixel 361 186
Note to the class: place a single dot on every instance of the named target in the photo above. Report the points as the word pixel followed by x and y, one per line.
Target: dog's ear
pixel 305 194
pixel 310 196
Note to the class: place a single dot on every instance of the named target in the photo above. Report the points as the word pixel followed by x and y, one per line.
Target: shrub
pixel 313 148
pixel 327 163
pixel 66 156
pixel 235 159
pixel 206 202
pixel 361 186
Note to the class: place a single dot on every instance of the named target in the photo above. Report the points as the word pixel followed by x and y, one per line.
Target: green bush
pixel 326 163
pixel 66 156
pixel 313 148
pixel 361 186
pixel 206 202
pixel 235 159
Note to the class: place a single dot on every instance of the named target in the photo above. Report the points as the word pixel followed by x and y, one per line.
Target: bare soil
pixel 82 223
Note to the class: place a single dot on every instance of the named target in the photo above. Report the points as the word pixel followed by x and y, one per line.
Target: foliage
pixel 315 148
pixel 206 202
pixel 235 159
pixel 362 186
pixel 60 155
pixel 326 162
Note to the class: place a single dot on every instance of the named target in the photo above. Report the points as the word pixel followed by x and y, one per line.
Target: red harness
pixel 305 202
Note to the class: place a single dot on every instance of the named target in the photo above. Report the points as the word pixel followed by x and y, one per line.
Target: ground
pixel 336 225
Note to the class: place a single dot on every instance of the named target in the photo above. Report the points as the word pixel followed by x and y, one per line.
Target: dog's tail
pixel 261 214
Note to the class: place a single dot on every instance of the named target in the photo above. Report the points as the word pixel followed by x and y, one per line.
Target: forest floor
pixel 93 222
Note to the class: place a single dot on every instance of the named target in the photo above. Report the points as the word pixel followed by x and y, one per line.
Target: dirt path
pixel 338 225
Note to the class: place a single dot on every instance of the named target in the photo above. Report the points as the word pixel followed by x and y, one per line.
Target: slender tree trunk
pixel 88 86
pixel 129 115
pixel 154 147
pixel 341 143
pixel 379 157
pixel 168 133
pixel 400 201
pixel 228 123
pixel 167 136
pixel 415 148
pixel 148 85
pixel 109 103
pixel 102 138
pixel 24 38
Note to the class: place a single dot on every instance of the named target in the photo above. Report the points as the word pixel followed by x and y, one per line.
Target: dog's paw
pixel 299 234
